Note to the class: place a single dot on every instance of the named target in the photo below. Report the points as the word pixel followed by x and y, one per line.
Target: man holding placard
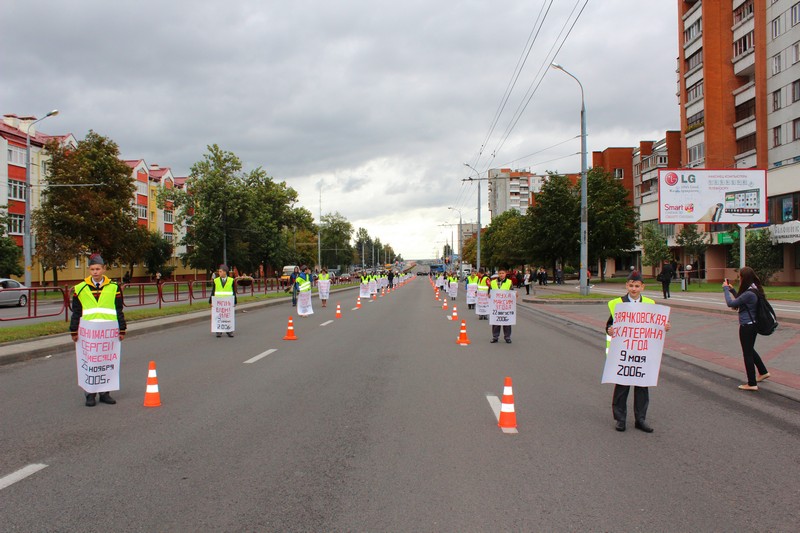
pixel 634 344
pixel 503 306
pixel 223 301
pixel 324 286
pixel 97 328
pixel 304 282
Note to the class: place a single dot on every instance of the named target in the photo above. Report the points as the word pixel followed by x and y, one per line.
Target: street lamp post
pixel 478 244
pixel 584 279
pixel 26 238
pixel 460 243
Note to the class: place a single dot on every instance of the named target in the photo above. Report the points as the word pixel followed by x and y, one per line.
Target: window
pixel 44 168
pixel 690 33
pixel 694 60
pixel 776 27
pixel 16 190
pixel 746 144
pixel 795 53
pixel 16 224
pixel 743 11
pixel 77 261
pixel 16 156
pixel 795 14
pixel 776 64
pixel 142 211
pixel 141 188
pixel 697 153
pixel 695 121
pixel 777 136
pixel 796 129
pixel 695 91
pixel 168 236
pixel 619 173
pixel 746 110
pixel 743 45
pixel 168 217
pixel 776 100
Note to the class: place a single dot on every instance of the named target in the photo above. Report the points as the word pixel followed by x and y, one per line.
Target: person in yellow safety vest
pixel 223 286
pixel 504 284
pixel 323 276
pixel 304 281
pixel 452 279
pixel 472 279
pixel 483 288
pixel 641 395
pixel 97 298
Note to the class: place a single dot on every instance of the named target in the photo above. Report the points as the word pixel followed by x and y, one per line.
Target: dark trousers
pixel 506 332
pixel 528 288
pixel 665 288
pixel 619 404
pixel 747 338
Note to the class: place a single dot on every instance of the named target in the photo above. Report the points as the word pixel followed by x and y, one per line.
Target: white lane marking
pixel 20 474
pixel 354 309
pixel 495 404
pixel 260 356
pixel 326 323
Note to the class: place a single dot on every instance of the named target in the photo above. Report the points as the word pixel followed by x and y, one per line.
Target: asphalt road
pixel 380 422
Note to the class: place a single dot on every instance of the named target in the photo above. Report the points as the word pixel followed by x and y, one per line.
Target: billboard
pixel 703 196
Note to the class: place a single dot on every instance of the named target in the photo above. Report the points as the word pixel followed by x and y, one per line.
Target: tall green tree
pixel 654 246
pixel 612 220
pixel 502 242
pixel 694 242
pixel 159 252
pixel 362 247
pixel 10 252
pixel 760 254
pixel 336 233
pixel 551 228
pixel 87 196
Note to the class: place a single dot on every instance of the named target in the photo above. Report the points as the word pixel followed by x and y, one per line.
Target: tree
pixel 470 249
pixel 502 241
pixel 611 218
pixel 10 252
pixel 654 246
pixel 336 233
pixel 87 196
pixel 695 243
pixel 764 258
pixel 552 226
pixel 362 247
pixel 136 246
pixel 159 252
pixel 53 250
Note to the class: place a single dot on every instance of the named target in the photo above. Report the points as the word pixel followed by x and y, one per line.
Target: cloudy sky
pixel 378 102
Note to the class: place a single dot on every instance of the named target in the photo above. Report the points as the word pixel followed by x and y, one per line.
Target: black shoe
pixel 620 425
pixel 508 341
pixel 644 427
pixel 230 334
pixel 493 341
pixel 90 400
pixel 219 335
pixel 106 398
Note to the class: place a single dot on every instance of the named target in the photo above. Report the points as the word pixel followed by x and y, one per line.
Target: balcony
pixel 745 64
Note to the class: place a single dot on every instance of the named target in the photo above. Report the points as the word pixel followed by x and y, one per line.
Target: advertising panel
pixel 703 196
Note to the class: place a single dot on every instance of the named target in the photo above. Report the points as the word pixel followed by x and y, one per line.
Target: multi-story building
pixel 739 92
pixel 508 189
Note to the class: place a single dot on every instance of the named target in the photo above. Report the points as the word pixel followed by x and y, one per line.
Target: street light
pixel 584 279
pixel 478 249
pixel 460 244
pixel 26 238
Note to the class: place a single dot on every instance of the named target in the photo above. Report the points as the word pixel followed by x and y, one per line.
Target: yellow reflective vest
pixel 100 309
pixel 611 305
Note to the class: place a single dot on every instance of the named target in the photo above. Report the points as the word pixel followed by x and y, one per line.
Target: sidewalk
pixel 704 330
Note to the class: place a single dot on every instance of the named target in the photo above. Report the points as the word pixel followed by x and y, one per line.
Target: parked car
pixel 18 298
pixel 345 277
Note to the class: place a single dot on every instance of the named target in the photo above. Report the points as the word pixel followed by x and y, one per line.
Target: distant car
pixel 345 277
pixel 421 273
pixel 18 298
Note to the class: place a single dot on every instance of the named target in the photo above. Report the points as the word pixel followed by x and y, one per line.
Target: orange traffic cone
pixel 383 292
pixel 436 295
pixel 338 310
pixel 462 339
pixel 152 398
pixel 444 305
pixel 290 336
pixel 508 418
pixel 358 303
pixel 455 314
pixel 374 296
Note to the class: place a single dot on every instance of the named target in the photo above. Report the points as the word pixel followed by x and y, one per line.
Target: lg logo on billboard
pixel 671 178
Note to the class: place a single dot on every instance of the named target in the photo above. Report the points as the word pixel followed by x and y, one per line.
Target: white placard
pixel 304 307
pixel 472 293
pixel 363 290
pixel 98 355
pixel 324 286
pixel 482 303
pixel 222 314
pixel 503 308
pixel 452 289
pixel 637 342
pixel 699 196
pixel 373 286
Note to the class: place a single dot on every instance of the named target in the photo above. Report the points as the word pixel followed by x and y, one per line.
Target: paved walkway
pixel 704 330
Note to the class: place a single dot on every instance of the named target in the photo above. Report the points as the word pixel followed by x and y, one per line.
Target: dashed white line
pixel 260 356
pixel 20 474
pixel 326 323
pixel 495 404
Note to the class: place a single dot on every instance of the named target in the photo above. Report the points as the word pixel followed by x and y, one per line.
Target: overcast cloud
pixel 380 101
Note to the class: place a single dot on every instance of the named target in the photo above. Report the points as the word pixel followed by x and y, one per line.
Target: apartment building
pixel 739 93
pixel 508 189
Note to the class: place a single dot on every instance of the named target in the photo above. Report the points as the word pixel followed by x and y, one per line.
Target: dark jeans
pixel 294 296
pixel 528 288
pixel 665 288
pixel 506 332
pixel 619 403
pixel 747 338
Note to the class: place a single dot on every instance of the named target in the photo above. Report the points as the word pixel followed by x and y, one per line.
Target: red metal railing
pixel 32 302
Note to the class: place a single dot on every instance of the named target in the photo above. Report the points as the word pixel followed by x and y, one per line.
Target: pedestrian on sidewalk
pixel 745 300
pixel 665 276
pixel 527 281
pixel 641 395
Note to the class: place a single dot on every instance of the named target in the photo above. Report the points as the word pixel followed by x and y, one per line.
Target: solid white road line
pixel 261 355
pixel 354 309
pixel 20 474
pixel 495 404
pixel 326 323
